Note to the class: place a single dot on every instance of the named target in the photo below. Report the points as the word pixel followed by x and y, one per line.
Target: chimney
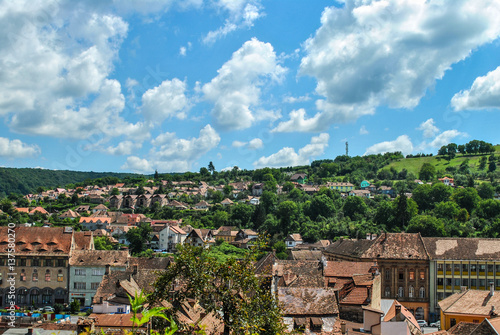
pixel 492 288
pixel 399 316
pixel 106 272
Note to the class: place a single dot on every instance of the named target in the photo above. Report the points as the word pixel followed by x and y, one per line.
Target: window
pixel 47 275
pixel 482 268
pixel 457 281
pixel 440 281
pixel 411 292
pixel 497 266
pixel 456 268
pixel 422 275
pixel 490 268
pixel 412 275
pixel 23 275
pixel 21 296
pixel 440 267
pixel 473 283
pixel 421 292
pixel 453 322
pixel 401 292
pixel 482 283
pixel 34 277
pixel 401 275
pixel 465 282
pixel 121 310
pixel 448 268
pixel 48 263
pixel 60 276
pixel 465 268
pixel 80 286
pixel 387 274
pixel 35 296
pixel 473 268
pixel 387 292
pixel 22 262
pixel 94 286
pixel 35 262
pixel 61 263
pixel 47 297
pixel 97 272
pixel 79 272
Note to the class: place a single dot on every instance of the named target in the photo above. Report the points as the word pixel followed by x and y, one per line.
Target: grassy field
pixel 414 164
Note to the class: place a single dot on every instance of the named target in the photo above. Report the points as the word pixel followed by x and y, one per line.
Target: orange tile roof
pixel 38 240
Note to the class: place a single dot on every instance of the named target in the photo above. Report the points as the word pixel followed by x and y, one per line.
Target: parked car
pixel 48 309
pixel 422 323
pixel 436 324
pixel 10 307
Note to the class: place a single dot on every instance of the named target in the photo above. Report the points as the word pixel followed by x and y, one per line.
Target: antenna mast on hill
pixel 347 148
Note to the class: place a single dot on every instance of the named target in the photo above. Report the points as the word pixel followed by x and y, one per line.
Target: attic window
pixel 99 258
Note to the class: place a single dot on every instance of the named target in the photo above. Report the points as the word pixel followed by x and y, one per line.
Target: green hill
pixel 440 163
pixel 25 180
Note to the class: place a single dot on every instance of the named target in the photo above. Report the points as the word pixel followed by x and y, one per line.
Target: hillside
pixel 413 165
pixel 24 180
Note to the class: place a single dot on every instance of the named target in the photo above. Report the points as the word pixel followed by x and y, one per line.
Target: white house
pixel 170 237
pixel 293 240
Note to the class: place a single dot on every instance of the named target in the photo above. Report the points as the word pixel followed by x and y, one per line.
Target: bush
pixel 75 306
pixel 58 308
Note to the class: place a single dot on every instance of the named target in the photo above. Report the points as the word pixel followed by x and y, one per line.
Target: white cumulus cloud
pixel 429 129
pixel 371 53
pixel 402 143
pixel 173 154
pixel 242 14
pixel 288 157
pixel 236 90
pixel 17 149
pixel 445 137
pixel 484 93
pixel 164 101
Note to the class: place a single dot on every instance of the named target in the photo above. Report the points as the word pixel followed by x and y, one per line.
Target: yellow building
pixel 469 306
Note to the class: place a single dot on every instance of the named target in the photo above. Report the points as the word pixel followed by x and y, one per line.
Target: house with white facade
pixel 86 269
pixel 170 237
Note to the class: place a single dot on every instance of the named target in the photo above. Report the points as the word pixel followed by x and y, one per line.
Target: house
pixel 200 237
pixel 170 237
pixel 254 201
pixel 86 269
pixel 160 199
pixel 360 193
pixel 305 255
pixel 293 240
pixel 41 263
pixel 341 187
pixel 469 306
pixel 101 209
pixel 403 262
pixel 365 184
pixel 310 309
pixel 227 235
pixel 144 200
pixel 116 201
pixel 300 178
pixel 461 263
pixel 82 209
pixel 245 237
pixel 227 202
pixel 386 190
pixel 394 320
pixel 115 287
pixel 257 189
pixel 69 214
pixel 447 181
pixel 93 223
pixel 202 205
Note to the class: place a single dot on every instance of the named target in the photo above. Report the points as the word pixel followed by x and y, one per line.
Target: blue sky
pixel 172 85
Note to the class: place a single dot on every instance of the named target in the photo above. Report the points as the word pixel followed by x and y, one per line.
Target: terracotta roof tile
pixel 308 301
pixel 98 258
pixel 463 248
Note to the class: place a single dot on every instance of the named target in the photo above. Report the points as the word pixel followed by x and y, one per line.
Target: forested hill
pixel 24 181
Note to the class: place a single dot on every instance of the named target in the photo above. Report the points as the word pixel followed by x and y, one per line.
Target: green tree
pixel 485 191
pixel 229 289
pixel 447 210
pixel 426 225
pixel 211 167
pixel 320 205
pixel 427 172
pixel 102 243
pixel 492 166
pixel 488 209
pixel 466 198
pixel 139 238
pixel 405 209
pixel 354 207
